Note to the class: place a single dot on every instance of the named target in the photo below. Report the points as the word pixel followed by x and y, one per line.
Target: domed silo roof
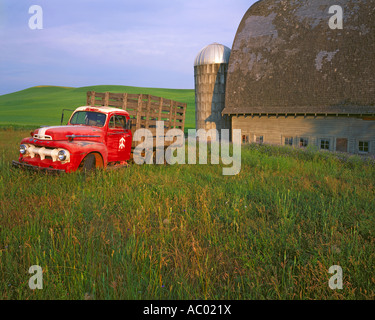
pixel 286 59
pixel 212 54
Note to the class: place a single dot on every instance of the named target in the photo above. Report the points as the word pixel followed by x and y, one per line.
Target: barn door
pixel 342 144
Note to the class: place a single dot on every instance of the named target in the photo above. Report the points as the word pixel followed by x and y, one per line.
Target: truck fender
pixel 98 149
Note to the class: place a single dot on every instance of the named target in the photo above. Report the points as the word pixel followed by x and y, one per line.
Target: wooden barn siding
pixel 274 129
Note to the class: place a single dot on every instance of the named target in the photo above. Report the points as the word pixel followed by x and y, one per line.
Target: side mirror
pixel 62 115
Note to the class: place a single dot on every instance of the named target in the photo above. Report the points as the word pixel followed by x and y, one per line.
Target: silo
pixel 210 72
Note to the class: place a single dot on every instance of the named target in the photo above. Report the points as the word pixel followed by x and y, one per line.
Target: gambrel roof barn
pixel 300 75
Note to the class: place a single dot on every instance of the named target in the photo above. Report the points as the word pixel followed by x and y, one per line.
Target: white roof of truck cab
pixel 99 109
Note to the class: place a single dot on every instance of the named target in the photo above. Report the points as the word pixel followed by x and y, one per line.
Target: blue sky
pixel 91 42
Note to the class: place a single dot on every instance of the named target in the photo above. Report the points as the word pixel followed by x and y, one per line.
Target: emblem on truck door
pixel 122 143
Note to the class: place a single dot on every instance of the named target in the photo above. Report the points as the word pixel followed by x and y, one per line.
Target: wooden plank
pixel 167 108
pixel 180 104
pixel 160 108
pixel 99 102
pixel 92 99
pixel 133 96
pixel 151 115
pixel 116 96
pixel 115 104
pixel 106 99
pixel 155 98
pixel 167 102
pixel 148 111
pixel 155 105
pixel 124 101
pixel 170 113
pixel 174 121
pixel 178 117
pixel 183 118
pixel 88 98
pixel 132 104
pixel 100 95
pixel 153 122
pixel 138 125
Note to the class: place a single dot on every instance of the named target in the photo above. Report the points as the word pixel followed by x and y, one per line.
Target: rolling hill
pixel 42 105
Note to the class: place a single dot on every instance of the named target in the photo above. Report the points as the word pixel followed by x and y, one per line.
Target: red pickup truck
pixel 94 137
pixel 100 134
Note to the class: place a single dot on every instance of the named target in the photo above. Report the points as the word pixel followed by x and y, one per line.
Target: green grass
pixel 188 232
pixel 43 105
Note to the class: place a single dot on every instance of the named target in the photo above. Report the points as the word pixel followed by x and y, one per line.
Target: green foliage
pixel 187 231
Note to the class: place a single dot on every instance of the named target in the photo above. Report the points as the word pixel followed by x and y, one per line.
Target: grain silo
pixel 210 71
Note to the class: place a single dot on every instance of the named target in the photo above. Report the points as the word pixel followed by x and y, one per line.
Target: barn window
pixel 303 142
pixel 245 139
pixel 324 144
pixel 364 146
pixel 288 141
pixel 259 139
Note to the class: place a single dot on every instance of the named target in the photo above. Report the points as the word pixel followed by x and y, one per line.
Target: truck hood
pixel 63 133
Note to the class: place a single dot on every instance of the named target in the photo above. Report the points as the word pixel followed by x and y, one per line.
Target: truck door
pixel 118 139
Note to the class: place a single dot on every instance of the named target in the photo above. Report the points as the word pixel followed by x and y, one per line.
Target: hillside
pixel 42 105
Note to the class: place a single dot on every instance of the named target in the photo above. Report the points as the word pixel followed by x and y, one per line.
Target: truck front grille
pixel 46 153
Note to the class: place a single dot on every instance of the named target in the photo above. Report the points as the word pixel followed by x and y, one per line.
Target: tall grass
pixel 187 231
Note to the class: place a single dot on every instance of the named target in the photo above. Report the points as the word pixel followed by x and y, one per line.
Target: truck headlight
pixel 62 155
pixel 23 149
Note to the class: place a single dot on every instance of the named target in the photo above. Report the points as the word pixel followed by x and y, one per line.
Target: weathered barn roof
pixel 286 59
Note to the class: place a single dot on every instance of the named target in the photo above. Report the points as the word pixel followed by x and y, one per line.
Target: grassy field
pixel 42 105
pixel 187 231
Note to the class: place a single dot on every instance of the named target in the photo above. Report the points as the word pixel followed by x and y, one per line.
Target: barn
pixel 294 79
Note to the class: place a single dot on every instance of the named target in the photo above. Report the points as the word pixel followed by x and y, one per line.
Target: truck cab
pixel 94 137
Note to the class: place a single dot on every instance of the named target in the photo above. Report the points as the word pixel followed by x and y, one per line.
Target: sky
pixel 145 43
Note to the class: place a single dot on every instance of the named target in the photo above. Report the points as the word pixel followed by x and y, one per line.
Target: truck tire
pixel 89 163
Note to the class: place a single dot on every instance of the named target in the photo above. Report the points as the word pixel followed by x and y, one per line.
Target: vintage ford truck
pixel 98 135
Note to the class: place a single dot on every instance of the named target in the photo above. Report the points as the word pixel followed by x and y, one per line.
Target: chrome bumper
pixel 35 168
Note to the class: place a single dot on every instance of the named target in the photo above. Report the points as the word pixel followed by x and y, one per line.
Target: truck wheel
pixel 89 163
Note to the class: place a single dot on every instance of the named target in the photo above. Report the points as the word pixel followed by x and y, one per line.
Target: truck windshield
pixel 88 118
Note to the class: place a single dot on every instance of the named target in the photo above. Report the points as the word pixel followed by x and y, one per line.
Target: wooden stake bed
pixel 144 110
